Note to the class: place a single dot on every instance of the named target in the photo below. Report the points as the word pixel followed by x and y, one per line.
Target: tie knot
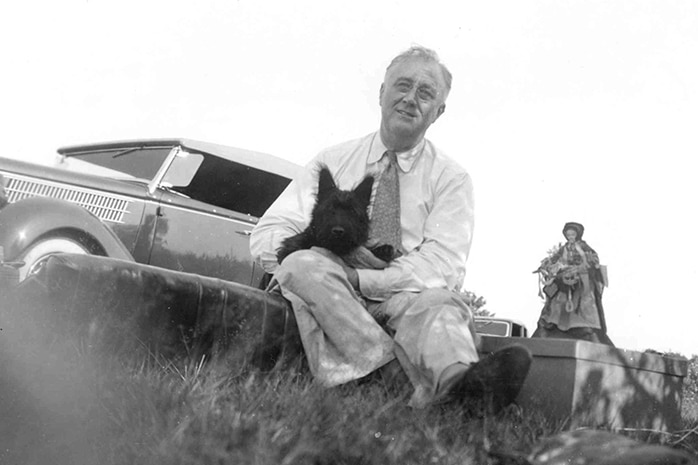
pixel 392 157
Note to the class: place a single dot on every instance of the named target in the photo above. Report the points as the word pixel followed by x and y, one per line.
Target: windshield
pixel 135 162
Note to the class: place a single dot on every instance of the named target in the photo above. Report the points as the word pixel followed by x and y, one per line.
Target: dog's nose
pixel 338 231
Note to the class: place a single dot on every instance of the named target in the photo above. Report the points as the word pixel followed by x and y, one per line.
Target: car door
pixel 207 208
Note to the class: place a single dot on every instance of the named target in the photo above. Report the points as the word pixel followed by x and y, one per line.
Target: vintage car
pixel 179 204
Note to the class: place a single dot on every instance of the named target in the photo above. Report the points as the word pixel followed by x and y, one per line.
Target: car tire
pixel 36 255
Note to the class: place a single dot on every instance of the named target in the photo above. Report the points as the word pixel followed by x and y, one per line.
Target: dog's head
pixel 340 218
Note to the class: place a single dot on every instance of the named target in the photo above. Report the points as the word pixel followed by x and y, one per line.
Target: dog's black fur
pixel 339 220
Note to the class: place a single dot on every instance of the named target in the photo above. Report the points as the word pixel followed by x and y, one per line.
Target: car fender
pixel 25 221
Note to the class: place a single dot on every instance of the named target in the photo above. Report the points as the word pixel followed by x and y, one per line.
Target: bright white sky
pixel 561 110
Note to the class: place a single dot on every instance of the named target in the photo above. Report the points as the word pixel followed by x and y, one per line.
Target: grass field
pixel 68 400
pixel 143 409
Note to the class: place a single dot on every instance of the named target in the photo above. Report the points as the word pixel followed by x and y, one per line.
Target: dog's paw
pixel 385 252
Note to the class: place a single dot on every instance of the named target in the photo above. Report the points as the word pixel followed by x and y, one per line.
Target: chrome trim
pixel 251 220
pixel 155 183
pixel 107 207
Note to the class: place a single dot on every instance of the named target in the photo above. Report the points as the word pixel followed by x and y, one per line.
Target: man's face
pixel 411 98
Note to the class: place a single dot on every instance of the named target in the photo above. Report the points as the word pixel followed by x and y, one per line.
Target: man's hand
pixel 352 276
pixel 351 273
pixel 361 257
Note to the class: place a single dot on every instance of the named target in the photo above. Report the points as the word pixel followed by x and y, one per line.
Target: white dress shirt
pixel 436 212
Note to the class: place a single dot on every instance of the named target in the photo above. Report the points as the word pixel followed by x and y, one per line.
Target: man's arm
pixel 288 215
pixel 439 261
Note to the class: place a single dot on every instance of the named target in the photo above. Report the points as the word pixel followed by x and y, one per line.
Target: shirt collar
pixel 404 159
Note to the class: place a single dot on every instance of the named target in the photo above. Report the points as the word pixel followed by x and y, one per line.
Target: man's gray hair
pixel 427 54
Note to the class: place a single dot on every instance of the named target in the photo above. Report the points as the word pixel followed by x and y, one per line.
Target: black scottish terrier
pixel 339 220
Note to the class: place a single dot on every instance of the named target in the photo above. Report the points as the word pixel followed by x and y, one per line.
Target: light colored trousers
pixel 431 330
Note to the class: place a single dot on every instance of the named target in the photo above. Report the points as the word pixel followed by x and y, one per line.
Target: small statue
pixel 572 282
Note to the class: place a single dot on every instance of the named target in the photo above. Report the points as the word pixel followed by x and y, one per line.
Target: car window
pixel 141 163
pixel 183 168
pixel 233 186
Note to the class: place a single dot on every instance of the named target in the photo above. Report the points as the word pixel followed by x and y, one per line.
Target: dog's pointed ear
pixel 325 183
pixel 363 191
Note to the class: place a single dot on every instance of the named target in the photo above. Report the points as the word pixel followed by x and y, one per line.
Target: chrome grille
pixel 106 207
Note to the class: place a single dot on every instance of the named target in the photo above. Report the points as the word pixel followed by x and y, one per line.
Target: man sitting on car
pixel 429 328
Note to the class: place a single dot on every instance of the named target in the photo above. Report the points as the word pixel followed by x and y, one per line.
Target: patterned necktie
pixel 385 217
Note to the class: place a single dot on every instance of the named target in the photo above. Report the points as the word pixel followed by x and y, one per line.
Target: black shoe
pixel 495 379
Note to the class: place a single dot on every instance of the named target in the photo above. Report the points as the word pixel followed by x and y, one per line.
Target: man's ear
pixel 380 93
pixel 440 111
